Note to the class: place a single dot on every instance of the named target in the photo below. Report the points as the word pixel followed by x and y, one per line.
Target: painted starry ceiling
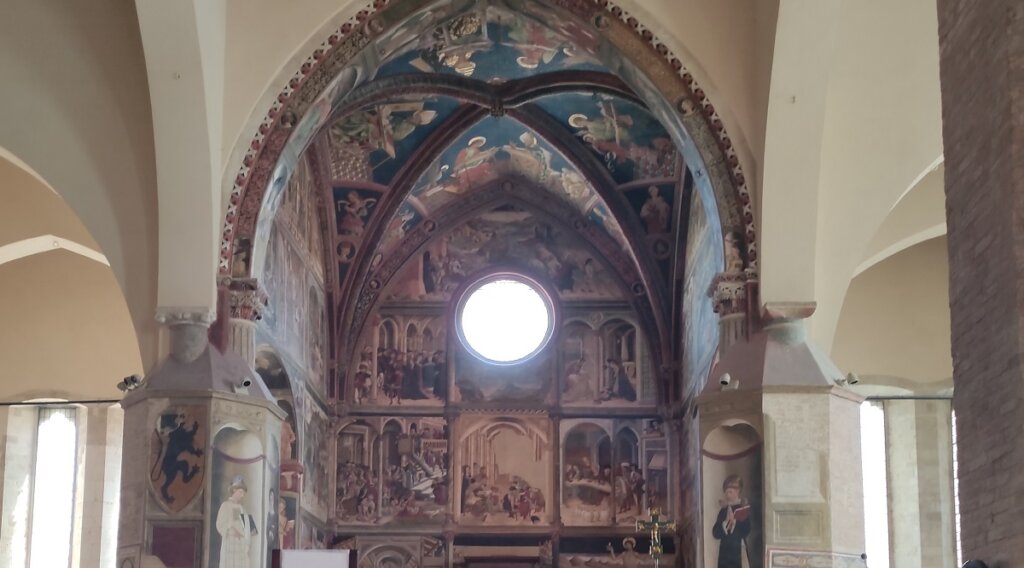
pixel 427 133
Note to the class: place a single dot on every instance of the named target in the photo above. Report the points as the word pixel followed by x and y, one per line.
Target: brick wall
pixel 982 74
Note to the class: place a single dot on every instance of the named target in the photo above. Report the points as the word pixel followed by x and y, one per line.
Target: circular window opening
pixel 505 319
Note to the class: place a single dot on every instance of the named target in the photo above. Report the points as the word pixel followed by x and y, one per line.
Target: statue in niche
pixel 732 525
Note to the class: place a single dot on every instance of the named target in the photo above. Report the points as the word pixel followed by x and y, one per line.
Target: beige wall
pixel 882 131
pixel 920 215
pixel 895 321
pixel 75 107
pixel 32 209
pixel 67 331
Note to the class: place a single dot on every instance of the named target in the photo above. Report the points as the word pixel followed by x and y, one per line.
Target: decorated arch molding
pixel 719 168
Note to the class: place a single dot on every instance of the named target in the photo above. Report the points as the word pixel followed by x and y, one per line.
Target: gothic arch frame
pixel 518 192
pixel 686 110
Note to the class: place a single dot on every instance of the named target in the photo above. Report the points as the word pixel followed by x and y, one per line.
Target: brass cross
pixel 656 526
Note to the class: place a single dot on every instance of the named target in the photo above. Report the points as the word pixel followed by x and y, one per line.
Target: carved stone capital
pixel 247 304
pixel 728 293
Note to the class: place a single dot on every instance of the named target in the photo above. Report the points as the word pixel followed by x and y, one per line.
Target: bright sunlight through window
pixel 876 494
pixel 53 497
pixel 956 495
pixel 505 321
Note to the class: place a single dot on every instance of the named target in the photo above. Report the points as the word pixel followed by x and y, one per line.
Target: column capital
pixel 246 299
pixel 728 291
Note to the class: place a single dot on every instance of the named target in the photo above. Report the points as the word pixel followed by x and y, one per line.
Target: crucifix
pixel 656 526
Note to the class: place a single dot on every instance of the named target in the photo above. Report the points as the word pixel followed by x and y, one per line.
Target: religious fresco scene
pixel 506 235
pixel 505 471
pixel 392 471
pixel 370 145
pixel 397 438
pixel 627 552
pixel 490 150
pixel 295 320
pixel 316 464
pixel 402 361
pixel 630 142
pixel 613 471
pixel 477 382
pixel 496 41
pixel 604 365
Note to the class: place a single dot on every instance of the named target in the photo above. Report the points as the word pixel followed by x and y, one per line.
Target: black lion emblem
pixel 175 440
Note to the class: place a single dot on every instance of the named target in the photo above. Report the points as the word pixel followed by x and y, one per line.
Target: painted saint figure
pixel 617 383
pixel 629 556
pixel 732 525
pixel 236 527
pixel 286 530
pixel 655 212
pixel 288 439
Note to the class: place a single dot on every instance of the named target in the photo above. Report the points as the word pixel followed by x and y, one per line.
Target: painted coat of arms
pixel 176 464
